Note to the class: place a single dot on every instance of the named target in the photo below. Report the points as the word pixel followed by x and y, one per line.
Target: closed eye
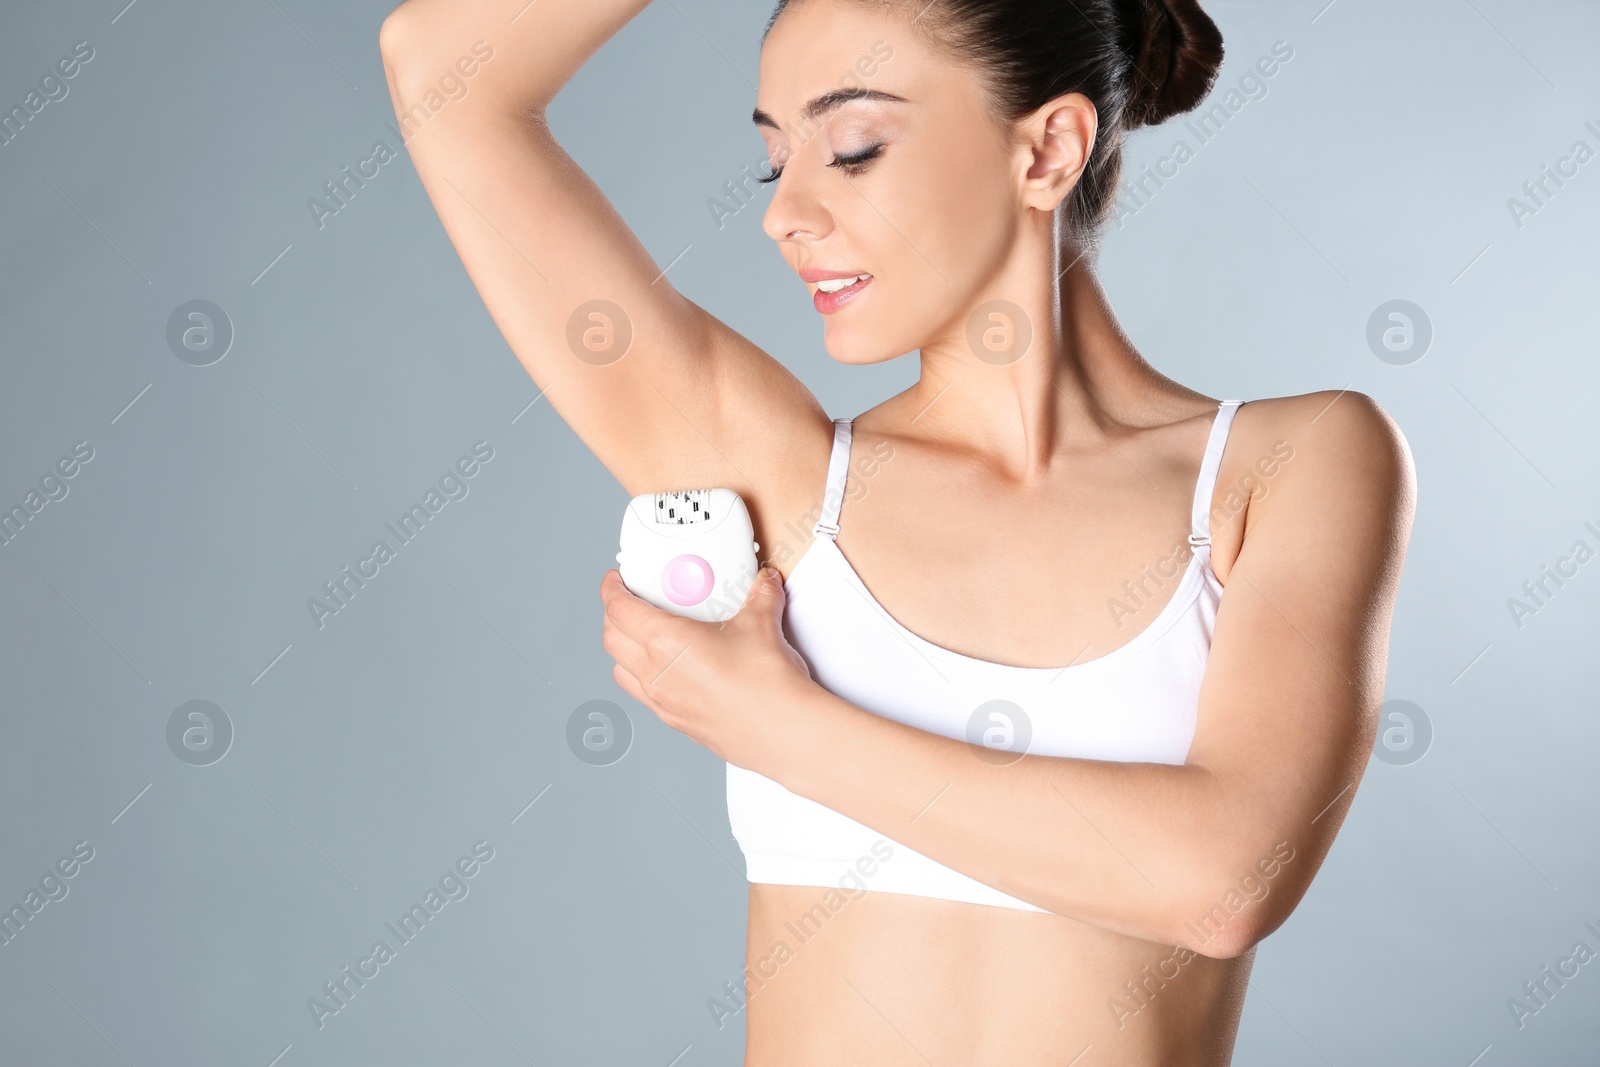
pixel 850 164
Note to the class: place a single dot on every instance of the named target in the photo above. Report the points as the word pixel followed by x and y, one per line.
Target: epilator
pixel 690 552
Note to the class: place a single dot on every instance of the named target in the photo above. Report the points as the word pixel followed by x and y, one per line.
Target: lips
pixel 834 288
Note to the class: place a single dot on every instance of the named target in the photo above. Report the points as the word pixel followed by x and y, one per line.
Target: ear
pixel 1058 139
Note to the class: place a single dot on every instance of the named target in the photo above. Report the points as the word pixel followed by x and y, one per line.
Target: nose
pixel 797 211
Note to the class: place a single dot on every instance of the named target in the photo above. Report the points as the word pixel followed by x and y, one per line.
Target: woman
pixel 1015 783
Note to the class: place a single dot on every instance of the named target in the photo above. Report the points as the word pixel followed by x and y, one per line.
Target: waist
pixel 911 980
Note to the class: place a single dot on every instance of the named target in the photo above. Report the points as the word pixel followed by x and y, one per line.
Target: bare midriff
pixel 891 979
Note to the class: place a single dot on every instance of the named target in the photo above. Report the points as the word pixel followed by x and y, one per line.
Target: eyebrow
pixel 827 102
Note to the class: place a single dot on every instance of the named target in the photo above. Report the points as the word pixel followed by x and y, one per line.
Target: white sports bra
pixel 1137 703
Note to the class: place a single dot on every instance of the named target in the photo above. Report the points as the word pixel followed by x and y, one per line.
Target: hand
pixel 721 683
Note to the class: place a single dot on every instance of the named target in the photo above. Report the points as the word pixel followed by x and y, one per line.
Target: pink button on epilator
pixel 687 580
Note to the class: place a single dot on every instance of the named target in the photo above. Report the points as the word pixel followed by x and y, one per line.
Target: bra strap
pixel 1200 514
pixel 833 494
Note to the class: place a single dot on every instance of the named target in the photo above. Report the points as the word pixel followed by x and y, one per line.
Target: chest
pixel 1136 702
pixel 1062 572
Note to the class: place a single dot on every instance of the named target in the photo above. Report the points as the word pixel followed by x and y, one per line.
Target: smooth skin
pixel 1033 491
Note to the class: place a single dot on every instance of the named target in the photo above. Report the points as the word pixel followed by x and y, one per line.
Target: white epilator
pixel 690 552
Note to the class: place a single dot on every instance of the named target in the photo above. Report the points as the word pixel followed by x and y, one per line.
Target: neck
pixel 1077 380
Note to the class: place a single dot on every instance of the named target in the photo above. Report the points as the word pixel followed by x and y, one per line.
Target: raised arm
pixel 691 403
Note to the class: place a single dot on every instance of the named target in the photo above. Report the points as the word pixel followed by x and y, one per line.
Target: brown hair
pixel 1140 61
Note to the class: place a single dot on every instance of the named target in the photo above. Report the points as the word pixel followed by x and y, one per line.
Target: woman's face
pixel 920 192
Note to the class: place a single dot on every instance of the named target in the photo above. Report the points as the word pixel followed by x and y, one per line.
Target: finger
pixel 627 652
pixel 630 685
pixel 627 610
pixel 766 595
pixel 612 586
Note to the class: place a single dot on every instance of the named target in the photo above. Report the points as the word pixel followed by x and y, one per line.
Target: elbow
pixel 1232 939
pixel 411 36
pixel 1214 930
pixel 426 57
pixel 1228 913
pixel 395 37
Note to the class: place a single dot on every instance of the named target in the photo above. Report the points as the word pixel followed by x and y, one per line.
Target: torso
pixel 901 979
pixel 894 979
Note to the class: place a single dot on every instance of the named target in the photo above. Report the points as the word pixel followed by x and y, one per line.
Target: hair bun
pixel 1177 53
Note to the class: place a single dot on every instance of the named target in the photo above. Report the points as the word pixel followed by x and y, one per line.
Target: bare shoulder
pixel 1331 462
pixel 1348 441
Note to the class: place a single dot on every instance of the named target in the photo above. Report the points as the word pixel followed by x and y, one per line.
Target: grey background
pixel 369 754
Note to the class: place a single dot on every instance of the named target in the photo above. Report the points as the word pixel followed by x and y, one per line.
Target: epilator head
pixel 689 552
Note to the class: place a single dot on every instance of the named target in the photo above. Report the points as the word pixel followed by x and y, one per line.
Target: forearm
pixel 538 45
pixel 1138 848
